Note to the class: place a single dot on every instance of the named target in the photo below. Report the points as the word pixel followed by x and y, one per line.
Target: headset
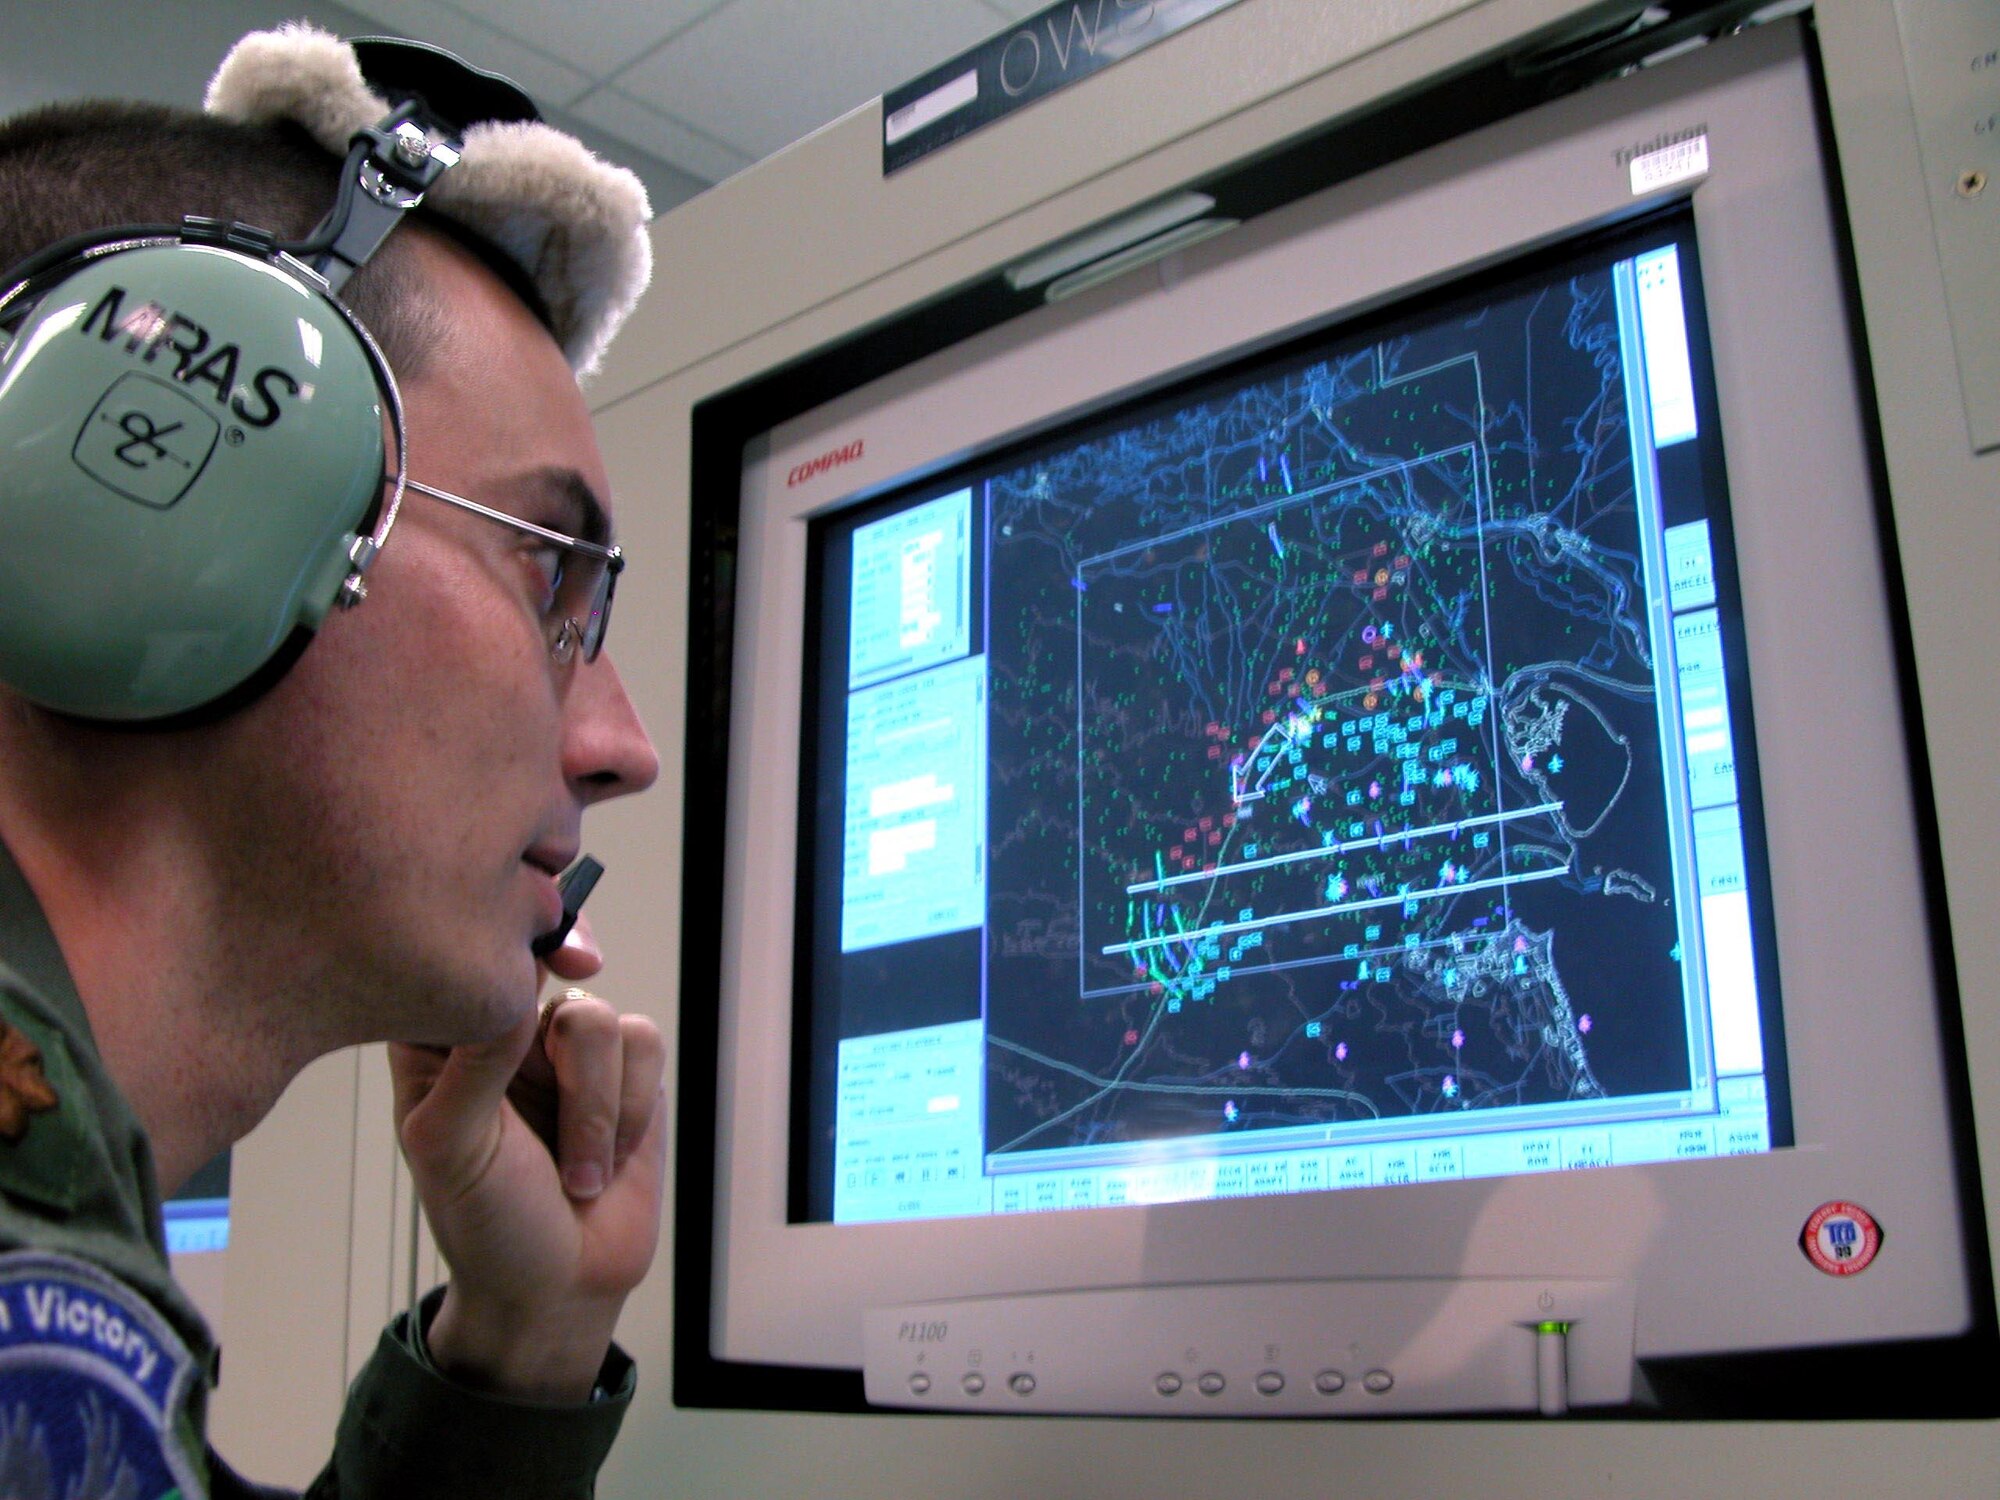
pixel 193 468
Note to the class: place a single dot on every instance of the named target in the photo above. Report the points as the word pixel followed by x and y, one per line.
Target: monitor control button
pixel 1211 1383
pixel 1169 1384
pixel 973 1383
pixel 920 1384
pixel 1329 1382
pixel 1270 1383
pixel 1021 1384
pixel 1377 1382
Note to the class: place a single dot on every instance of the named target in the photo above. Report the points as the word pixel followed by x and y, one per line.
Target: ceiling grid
pixel 706 86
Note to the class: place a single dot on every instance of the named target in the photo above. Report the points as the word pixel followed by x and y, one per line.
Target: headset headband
pixel 392 164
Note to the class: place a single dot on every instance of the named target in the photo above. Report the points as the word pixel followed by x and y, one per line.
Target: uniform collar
pixel 28 947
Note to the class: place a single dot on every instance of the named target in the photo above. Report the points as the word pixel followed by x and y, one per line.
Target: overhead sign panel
pixel 1035 57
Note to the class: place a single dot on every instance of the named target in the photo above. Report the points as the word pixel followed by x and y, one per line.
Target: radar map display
pixel 1326 745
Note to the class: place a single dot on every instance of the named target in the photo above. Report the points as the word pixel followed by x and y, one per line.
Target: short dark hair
pixel 75 168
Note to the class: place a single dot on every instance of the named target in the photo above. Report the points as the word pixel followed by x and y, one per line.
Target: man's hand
pixel 538 1159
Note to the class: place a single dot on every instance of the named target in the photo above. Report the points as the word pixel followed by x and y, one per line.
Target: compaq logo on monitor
pixel 833 458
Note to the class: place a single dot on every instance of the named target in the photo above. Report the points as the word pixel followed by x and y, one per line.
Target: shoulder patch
pixel 92 1381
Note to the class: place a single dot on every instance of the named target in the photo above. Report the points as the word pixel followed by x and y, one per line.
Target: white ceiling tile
pixel 620 115
pixel 597 36
pixel 1015 10
pixel 759 74
pixel 547 80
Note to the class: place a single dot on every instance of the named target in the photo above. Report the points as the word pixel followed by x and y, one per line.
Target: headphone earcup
pixel 190 440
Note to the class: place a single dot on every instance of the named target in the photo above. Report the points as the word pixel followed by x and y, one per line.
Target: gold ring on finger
pixel 555 1003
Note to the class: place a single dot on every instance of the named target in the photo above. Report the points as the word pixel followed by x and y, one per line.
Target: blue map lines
pixel 1325 784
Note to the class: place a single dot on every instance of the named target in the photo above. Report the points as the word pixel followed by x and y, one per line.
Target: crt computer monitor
pixel 1330 830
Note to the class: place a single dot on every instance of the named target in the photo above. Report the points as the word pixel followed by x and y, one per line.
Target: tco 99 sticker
pixel 1841 1238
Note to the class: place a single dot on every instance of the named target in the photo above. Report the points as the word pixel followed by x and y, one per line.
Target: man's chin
pixel 476 1011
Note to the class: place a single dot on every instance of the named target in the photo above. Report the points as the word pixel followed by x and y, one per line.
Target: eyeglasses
pixel 580 591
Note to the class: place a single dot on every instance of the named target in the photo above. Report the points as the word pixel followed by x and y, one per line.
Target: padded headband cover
pixel 574 223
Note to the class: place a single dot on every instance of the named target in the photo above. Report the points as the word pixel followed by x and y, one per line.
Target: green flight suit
pixel 106 1367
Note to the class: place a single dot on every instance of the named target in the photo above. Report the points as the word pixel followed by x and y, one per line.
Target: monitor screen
pixel 1335 773
pixel 1329 827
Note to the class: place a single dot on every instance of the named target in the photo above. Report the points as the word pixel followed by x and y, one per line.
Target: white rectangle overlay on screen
pixel 1690 566
pixel 907 1124
pixel 914 856
pixel 1711 752
pixel 912 602
pixel 1725 939
pixel 1663 325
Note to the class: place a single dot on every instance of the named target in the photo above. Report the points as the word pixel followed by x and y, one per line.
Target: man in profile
pixel 362 843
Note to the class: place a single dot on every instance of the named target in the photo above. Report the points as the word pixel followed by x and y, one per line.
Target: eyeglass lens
pixel 579 609
pixel 582 606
